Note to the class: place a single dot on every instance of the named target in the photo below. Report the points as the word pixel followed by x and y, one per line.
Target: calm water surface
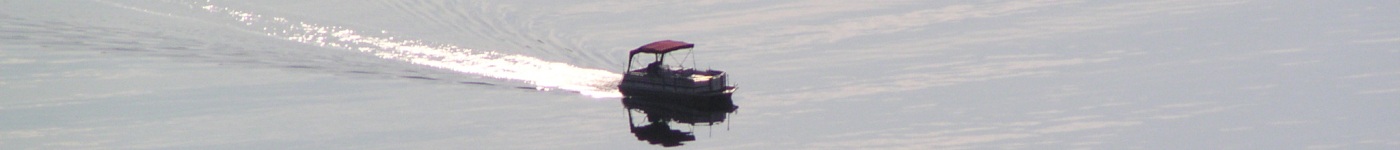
pixel 431 74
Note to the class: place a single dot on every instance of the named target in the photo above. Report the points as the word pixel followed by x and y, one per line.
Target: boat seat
pixel 700 78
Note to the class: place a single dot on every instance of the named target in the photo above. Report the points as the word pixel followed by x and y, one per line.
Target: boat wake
pixel 544 75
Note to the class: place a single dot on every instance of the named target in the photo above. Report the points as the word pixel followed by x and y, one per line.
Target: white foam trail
pixel 544 75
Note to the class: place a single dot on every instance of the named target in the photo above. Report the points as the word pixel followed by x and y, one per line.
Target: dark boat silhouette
pixel 661 113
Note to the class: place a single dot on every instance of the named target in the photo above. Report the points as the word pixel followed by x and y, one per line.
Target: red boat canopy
pixel 661 47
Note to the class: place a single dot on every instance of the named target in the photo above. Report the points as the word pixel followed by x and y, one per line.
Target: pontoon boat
pixel 659 79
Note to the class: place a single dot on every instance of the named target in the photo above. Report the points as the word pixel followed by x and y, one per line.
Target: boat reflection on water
pixel 672 93
pixel 661 112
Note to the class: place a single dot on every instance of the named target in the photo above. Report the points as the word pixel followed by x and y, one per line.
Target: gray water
pixel 822 74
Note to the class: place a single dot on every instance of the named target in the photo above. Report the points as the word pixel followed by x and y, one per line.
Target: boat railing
pixel 682 79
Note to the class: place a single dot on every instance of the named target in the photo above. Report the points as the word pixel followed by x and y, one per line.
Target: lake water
pixel 819 74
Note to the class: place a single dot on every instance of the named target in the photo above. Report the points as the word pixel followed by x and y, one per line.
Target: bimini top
pixel 661 47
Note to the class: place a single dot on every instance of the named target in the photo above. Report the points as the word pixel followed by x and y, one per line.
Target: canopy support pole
pixel 629 64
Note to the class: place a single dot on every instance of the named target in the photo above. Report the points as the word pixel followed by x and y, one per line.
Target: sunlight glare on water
pixel 543 74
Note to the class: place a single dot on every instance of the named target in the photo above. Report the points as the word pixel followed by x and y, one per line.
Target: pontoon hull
pixel 637 84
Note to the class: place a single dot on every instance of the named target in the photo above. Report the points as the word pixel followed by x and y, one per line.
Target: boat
pixel 672 93
pixel 673 81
